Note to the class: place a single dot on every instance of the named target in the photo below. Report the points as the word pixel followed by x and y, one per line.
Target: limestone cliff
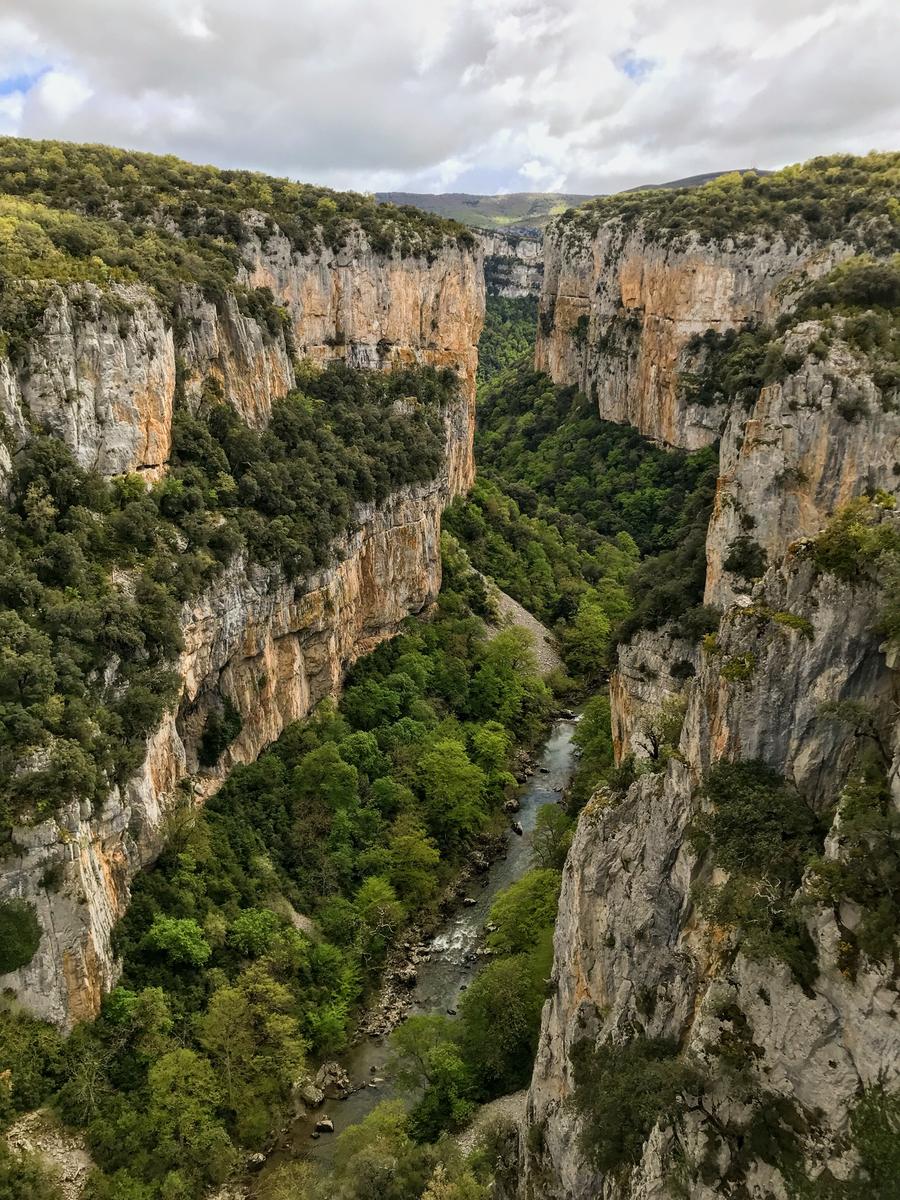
pixel 274 648
pixel 102 367
pixel 805 448
pixel 634 956
pixel 103 371
pixel 799 677
pixel 513 263
pixel 619 308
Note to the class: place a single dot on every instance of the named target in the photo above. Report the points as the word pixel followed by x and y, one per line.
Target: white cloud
pixel 60 94
pixel 583 95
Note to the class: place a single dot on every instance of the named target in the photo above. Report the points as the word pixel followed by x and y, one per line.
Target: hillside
pixel 516 210
pixel 528 210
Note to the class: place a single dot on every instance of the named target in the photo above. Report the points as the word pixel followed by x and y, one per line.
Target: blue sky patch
pixel 21 83
pixel 631 65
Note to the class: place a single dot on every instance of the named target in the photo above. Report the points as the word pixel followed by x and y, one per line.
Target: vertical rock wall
pixel 101 373
pixel 619 308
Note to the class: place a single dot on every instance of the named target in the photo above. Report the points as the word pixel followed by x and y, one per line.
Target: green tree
pixel 524 911
pixel 252 1037
pixel 551 838
pixel 500 1019
pixel 452 788
pixel 182 1111
pixel 324 775
pixel 180 939
pixel 20 934
pixel 381 912
pixel 414 861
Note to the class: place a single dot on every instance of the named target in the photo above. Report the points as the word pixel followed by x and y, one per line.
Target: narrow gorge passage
pixel 449 961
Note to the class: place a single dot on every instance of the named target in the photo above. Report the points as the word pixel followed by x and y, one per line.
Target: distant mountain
pixel 522 210
pixel 695 180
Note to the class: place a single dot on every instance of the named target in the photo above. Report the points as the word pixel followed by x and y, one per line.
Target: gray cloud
pixel 517 93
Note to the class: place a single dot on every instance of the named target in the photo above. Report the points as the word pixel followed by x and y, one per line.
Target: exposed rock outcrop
pixel 103 366
pixel 619 308
pixel 102 373
pixel 513 263
pixel 633 955
pixel 806 447
pixel 798 677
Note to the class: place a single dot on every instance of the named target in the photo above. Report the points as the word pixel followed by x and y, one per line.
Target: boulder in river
pixel 308 1092
pixel 512 805
pixel 333 1079
pixel 517 828
pixel 469 901
pixel 324 1125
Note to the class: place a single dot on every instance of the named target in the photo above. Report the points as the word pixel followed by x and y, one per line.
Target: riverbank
pixel 445 963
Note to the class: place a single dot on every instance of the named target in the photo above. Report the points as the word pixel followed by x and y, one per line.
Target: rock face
pixel 632 954
pixel 618 310
pixel 273 647
pixel 798 677
pixel 513 263
pixel 102 369
pixel 806 447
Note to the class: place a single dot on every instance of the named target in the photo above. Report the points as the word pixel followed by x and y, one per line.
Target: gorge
pixel 693 483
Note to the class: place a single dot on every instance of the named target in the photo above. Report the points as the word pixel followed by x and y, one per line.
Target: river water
pixel 453 961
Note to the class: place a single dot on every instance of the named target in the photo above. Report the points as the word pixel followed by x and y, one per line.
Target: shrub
pixel 20 935
pixel 221 728
pixel 763 833
pixel 746 558
pixel 739 667
pixel 621 1091
pixel 855 539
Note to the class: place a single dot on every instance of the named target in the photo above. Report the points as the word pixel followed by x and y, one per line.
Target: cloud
pixel 580 95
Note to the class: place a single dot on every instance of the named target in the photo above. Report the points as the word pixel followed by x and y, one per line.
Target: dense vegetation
pixel 567 504
pixel 507 337
pixel 488 1050
pixel 621 1091
pixel 162 198
pixel 355 818
pixel 71 213
pixel 837 198
pixel 94 570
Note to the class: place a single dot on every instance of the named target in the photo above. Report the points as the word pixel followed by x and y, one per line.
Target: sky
pixel 458 95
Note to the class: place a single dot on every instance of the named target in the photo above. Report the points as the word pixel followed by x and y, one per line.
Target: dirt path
pixel 512 613
pixel 507 1108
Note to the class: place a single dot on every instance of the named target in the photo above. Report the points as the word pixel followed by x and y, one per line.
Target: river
pixel 452 962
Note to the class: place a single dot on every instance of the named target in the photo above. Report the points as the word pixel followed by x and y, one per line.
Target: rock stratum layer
pixel 798 678
pixel 103 367
pixel 101 373
pixel 513 264
pixel 618 310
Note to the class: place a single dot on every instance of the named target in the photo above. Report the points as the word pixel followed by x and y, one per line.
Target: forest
pixel 94 571
pixel 357 818
pixel 841 197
